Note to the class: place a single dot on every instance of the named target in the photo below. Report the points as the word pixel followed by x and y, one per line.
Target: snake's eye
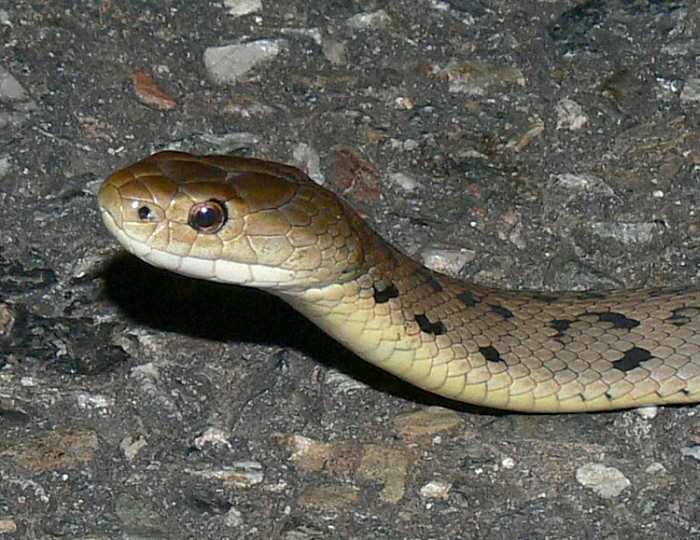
pixel 145 213
pixel 207 217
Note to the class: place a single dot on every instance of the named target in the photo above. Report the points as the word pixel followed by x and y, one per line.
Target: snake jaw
pixel 111 210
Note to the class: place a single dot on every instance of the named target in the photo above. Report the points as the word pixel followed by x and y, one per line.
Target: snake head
pixel 234 220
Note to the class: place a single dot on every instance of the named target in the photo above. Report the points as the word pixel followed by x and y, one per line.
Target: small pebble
pixel 404 103
pixel 475 79
pixel 5 166
pixel 94 401
pixel 10 88
pixel 150 93
pixel 341 383
pixel 214 436
pixel 131 445
pixel 427 421
pixel 648 412
pixel 655 468
pixel 570 115
pixel 233 518
pixel 691 451
pixel 8 526
pixel 311 161
pixel 336 52
pixel 446 260
pixel 436 489
pixel 231 63
pixel 239 474
pixel 375 20
pixel 237 8
pixel 508 463
pixel 606 481
pixel 404 181
pixel 582 182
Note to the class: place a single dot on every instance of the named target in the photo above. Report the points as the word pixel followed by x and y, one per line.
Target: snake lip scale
pixel 263 224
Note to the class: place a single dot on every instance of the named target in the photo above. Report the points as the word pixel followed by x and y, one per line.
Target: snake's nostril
pixel 107 196
pixel 110 203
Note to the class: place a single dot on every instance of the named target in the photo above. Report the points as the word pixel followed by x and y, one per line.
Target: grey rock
pixel 237 8
pixel 570 115
pixel 403 180
pixel 374 20
pixel 608 482
pixel 10 88
pixel 231 63
pixel 691 451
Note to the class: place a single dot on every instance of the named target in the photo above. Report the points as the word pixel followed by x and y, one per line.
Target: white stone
pixel 10 88
pixel 230 63
pixel 436 489
pixel 446 260
pixel 606 481
pixel 404 181
pixel 376 19
pixel 648 412
pixel 237 8
pixel 570 115
pixel 308 156
pixel 691 451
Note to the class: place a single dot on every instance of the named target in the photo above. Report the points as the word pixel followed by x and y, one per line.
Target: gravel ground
pixel 540 144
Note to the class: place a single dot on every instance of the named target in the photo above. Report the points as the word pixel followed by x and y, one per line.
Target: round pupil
pixel 144 213
pixel 207 216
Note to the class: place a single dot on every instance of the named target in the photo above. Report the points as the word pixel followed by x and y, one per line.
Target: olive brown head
pixel 233 220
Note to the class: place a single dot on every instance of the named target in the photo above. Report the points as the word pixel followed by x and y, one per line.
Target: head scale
pixel 234 220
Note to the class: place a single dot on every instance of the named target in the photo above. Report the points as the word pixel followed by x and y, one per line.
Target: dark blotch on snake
pixel 617 319
pixel 561 326
pixel 500 310
pixel 682 316
pixel 467 299
pixel 632 359
pixel 430 328
pixel 384 295
pixel 491 354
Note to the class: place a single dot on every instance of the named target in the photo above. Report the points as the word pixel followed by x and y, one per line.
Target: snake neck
pixel 513 350
pixel 381 317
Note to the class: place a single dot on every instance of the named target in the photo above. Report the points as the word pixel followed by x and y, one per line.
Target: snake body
pixel 263 224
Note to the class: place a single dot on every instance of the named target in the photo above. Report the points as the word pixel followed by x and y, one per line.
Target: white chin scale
pixel 254 275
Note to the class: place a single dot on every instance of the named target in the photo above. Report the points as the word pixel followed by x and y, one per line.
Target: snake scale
pixel 263 224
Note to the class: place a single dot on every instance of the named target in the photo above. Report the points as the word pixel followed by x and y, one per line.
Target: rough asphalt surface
pixel 540 144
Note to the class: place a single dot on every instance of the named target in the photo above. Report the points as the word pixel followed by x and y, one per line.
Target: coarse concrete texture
pixel 544 144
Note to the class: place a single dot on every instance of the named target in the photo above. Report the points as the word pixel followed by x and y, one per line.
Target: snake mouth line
pixel 220 271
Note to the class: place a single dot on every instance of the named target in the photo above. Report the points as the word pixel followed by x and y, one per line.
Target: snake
pixel 258 223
